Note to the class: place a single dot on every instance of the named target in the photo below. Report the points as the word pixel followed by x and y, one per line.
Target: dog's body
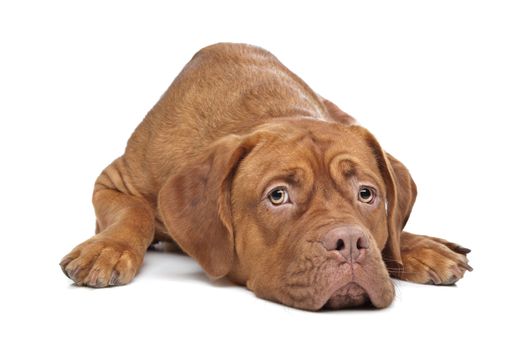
pixel 261 180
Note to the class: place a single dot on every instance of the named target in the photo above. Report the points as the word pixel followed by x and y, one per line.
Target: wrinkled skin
pixel 322 172
pixel 202 170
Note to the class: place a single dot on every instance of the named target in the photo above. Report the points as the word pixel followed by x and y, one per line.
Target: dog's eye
pixel 366 195
pixel 278 196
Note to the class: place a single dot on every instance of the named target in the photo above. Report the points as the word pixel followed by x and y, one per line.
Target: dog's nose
pixel 349 241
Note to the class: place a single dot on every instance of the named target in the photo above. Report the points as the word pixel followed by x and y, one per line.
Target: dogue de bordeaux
pixel 262 181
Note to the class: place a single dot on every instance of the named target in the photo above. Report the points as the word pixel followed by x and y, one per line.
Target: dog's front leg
pixel 125 229
pixel 431 260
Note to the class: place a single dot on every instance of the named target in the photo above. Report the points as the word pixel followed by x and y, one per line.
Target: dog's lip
pixel 345 276
pixel 353 294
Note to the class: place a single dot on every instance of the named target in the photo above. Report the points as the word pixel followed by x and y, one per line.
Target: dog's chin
pixel 349 296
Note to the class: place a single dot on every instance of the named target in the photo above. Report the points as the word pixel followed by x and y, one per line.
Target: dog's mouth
pixel 349 296
pixel 330 282
pixel 364 286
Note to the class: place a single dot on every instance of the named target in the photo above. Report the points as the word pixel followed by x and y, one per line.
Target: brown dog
pixel 263 181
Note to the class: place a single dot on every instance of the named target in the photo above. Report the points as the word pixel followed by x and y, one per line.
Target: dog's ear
pixel 401 195
pixel 195 205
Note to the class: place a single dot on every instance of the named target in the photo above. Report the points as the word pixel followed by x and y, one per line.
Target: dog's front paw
pixel 432 260
pixel 101 262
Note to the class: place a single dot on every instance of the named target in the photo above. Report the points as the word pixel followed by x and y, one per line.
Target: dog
pixel 262 181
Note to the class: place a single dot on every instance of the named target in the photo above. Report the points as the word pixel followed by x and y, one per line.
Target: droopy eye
pixel 278 196
pixel 366 194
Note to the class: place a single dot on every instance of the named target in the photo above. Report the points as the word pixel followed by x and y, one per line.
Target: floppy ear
pixel 401 195
pixel 195 205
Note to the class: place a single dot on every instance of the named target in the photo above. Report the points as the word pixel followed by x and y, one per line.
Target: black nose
pixel 349 241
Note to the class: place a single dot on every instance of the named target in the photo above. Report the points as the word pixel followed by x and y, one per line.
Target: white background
pixel 441 85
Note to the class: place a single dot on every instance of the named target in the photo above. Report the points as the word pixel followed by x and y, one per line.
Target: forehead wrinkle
pixel 301 156
pixel 313 149
pixel 347 167
pixel 338 162
pixel 291 176
pixel 269 172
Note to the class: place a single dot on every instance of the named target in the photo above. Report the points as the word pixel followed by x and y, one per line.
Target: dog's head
pixel 303 212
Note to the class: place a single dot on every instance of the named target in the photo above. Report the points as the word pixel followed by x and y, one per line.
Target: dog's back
pixel 225 89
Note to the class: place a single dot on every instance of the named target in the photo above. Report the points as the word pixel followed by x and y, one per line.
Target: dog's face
pixel 299 211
